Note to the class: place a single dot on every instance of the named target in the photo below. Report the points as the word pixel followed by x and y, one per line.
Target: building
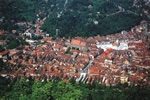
pixel 29 33
pixel 4 54
pixel 78 44
pixel 3 42
pixel 2 32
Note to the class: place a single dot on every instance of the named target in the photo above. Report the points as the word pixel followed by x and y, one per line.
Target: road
pixel 60 13
pixel 120 10
pixel 85 70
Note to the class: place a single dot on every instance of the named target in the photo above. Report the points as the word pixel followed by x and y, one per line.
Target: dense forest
pixel 12 42
pixel 73 17
pixel 13 11
pixel 60 90
pixel 89 18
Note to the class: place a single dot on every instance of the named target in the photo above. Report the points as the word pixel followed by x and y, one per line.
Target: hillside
pixel 74 49
pixel 88 18
pixel 73 17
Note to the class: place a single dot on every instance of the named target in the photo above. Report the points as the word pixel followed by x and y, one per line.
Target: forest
pixel 60 90
pixel 72 17
pixel 14 11
pixel 12 42
pixel 89 18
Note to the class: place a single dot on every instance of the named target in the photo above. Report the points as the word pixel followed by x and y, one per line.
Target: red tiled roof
pixel 2 32
pixel 36 25
pixel 48 68
pixel 83 44
pixel 73 50
pixel 3 40
pixel 78 42
pixel 75 42
pixel 4 52
pixel 107 52
pixel 27 46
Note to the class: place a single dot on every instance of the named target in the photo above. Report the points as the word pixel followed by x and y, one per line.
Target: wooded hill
pixel 73 17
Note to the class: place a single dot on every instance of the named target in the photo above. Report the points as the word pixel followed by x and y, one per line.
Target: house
pixel 123 78
pixel 3 42
pixel 21 24
pixel 48 39
pixel 14 31
pixel 4 53
pixel 13 51
pixel 79 44
pixel 108 51
pixel 29 33
pixel 116 44
pixel 2 32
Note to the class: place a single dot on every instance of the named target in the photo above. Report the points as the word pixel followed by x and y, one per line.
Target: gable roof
pixel 4 52
pixel 75 42
pixel 78 42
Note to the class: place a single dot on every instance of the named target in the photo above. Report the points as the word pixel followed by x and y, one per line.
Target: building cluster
pixel 108 60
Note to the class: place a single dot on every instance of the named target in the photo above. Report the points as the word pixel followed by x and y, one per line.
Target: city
pixel 75 49
pixel 110 59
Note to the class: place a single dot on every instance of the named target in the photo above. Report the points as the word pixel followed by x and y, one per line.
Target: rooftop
pixel 78 42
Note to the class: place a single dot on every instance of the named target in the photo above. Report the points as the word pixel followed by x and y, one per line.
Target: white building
pixel 118 46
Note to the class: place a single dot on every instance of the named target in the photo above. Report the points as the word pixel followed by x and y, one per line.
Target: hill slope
pixel 73 17
pixel 89 18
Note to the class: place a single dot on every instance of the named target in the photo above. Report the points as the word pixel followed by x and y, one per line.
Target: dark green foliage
pixel 80 21
pixel 3 37
pixel 13 11
pixel 37 37
pixel 13 42
pixel 4 84
pixel 60 90
pixel 68 51
pixel 124 3
pixel 21 87
pixel 41 91
pixel 76 20
pixel 66 91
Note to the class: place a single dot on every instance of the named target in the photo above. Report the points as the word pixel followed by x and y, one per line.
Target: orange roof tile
pixel 2 32
pixel 4 52
pixel 78 42
pixel 107 52
pixel 83 43
pixel 75 42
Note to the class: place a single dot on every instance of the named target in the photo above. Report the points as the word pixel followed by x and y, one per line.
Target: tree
pixel 42 91
pixel 60 90
pixel 21 88
pixel 80 21
pixel 65 91
pixel 12 44
pixel 4 86
pixel 13 11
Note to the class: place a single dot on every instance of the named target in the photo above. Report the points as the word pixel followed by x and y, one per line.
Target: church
pixel 78 44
